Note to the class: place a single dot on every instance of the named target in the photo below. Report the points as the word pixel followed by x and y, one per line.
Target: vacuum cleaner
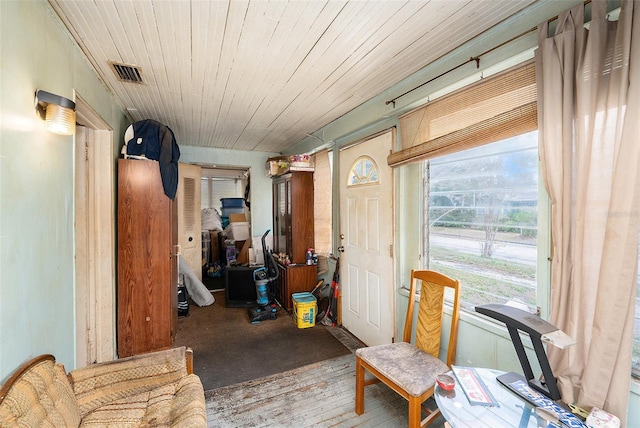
pixel 263 277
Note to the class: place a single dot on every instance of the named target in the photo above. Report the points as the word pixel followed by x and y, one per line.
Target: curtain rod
pixel 475 59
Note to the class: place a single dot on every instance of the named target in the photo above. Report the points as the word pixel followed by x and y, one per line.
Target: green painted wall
pixel 37 290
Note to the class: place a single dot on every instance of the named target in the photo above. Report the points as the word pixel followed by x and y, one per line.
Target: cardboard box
pixel 242 254
pixel 215 246
pixel 237 218
pixel 277 165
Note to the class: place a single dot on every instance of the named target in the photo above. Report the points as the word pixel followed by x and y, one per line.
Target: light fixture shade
pixel 60 120
pixel 58 113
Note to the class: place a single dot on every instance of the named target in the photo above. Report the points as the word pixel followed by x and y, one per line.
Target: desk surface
pixel 511 412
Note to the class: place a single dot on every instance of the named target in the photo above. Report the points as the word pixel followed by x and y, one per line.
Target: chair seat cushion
pixel 171 405
pixel 412 369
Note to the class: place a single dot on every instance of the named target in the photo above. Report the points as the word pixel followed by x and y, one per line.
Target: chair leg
pixel 415 412
pixel 433 414
pixel 359 387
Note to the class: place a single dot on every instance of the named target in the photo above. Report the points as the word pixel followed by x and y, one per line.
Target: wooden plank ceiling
pixel 262 75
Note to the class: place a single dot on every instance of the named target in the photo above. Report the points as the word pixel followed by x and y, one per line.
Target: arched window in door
pixel 363 171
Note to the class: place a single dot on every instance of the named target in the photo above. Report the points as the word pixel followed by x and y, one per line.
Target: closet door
pixel 147 260
pixel 189 216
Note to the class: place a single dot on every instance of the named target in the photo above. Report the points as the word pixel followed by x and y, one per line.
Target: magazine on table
pixel 474 388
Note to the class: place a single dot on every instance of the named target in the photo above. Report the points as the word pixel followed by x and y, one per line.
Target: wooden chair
pixel 411 370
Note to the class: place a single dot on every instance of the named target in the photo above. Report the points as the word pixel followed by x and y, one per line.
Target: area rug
pixel 229 349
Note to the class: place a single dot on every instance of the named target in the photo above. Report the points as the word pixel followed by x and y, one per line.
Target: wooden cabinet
pixel 293 215
pixel 293 233
pixel 294 279
pixel 147 302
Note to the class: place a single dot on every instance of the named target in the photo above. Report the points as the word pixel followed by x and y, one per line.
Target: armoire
pixel 147 306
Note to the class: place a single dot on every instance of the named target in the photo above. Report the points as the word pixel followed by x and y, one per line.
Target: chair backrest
pixel 430 312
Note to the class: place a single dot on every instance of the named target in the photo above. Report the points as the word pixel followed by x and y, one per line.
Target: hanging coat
pixel 156 141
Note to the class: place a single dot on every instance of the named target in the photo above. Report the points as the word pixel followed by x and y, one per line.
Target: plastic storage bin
pixel 231 202
pixel 304 309
pixel 232 210
pixel 206 251
pixel 237 231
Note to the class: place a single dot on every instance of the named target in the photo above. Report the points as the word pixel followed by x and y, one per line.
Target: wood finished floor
pixel 317 395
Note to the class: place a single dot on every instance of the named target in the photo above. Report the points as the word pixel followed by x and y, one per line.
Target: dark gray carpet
pixel 228 349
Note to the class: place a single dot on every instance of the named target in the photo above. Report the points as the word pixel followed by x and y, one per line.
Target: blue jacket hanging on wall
pixel 153 140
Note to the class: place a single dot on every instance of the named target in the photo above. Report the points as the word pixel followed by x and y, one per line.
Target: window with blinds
pixel 213 189
pixel 322 203
pixel 478 148
pixel 495 108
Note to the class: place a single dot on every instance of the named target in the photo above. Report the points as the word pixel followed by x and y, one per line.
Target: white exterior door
pixel 189 216
pixel 366 233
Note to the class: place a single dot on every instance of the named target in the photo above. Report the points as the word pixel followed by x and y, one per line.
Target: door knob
pixel 190 238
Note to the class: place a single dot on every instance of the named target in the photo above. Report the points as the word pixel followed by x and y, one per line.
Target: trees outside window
pixel 483 214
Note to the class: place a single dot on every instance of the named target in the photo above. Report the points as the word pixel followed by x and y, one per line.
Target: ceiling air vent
pixel 127 73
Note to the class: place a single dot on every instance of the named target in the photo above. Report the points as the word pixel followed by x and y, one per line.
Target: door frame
pixel 94 229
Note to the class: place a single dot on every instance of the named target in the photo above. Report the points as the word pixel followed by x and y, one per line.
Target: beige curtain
pixel 590 152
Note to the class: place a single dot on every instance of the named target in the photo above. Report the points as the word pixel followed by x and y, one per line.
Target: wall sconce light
pixel 58 113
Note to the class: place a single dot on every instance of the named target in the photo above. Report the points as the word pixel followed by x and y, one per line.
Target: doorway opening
pixel 223 182
pixel 220 184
